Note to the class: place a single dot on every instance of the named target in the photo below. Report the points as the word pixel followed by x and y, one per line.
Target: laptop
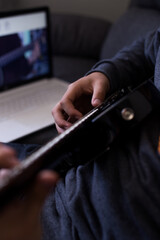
pixel 28 89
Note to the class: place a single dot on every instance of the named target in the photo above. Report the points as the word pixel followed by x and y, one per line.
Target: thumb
pixel 99 94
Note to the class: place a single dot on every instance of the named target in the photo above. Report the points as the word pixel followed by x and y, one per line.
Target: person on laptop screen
pixel 22 56
pixel 24 41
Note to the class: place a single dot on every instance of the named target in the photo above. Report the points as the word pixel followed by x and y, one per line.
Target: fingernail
pixel 96 102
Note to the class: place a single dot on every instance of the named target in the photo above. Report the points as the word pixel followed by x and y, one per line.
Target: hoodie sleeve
pixel 132 64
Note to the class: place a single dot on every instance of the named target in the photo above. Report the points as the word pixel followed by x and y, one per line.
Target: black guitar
pixel 87 138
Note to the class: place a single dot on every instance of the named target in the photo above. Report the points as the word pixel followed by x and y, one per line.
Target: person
pixel 116 196
pixel 20 219
pixel 14 64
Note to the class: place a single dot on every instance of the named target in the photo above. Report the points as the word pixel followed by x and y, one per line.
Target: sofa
pixel 78 42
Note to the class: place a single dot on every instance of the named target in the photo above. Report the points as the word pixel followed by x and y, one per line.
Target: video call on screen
pixel 23 56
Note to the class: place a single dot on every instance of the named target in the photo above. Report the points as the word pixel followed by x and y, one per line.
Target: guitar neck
pixel 86 139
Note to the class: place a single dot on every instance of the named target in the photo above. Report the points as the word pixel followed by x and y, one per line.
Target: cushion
pixel 71 68
pixel 135 23
pixel 76 35
pixel 146 3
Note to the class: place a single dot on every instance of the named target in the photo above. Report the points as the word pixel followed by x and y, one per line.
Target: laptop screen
pixel 24 47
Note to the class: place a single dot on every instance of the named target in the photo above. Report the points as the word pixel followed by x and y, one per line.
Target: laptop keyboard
pixel 26 99
pixel 19 103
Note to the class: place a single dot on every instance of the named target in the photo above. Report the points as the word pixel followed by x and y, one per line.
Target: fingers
pixel 65 113
pixel 80 97
pixel 69 108
pixel 3 173
pixel 8 157
pixel 60 119
pixel 68 102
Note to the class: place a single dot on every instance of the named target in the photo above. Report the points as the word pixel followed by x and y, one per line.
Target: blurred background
pixel 105 9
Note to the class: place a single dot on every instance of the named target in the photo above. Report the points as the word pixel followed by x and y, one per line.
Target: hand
pixel 80 97
pixel 8 158
pixel 20 220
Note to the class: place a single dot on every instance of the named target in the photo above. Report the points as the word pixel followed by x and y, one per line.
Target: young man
pixel 118 195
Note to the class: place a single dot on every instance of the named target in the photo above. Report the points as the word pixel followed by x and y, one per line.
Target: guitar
pixel 85 140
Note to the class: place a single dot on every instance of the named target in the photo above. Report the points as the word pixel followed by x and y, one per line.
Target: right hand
pixel 8 158
pixel 20 219
pixel 80 97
